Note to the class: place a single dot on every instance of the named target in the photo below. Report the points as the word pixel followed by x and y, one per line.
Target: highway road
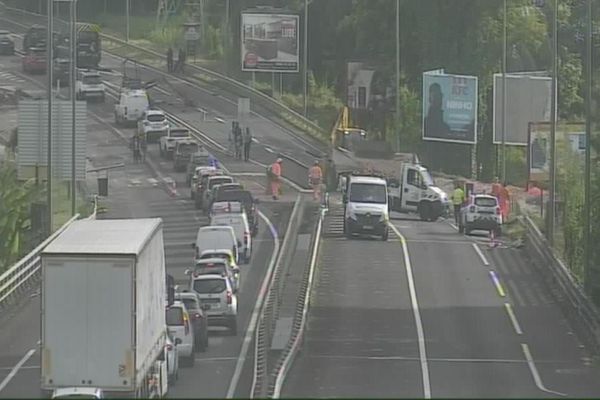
pixel 434 314
pixel 139 190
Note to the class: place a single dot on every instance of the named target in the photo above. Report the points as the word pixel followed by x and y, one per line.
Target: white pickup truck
pixel 167 143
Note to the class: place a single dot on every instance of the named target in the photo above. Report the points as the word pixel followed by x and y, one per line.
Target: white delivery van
pixel 239 223
pixel 366 206
pixel 131 106
pixel 216 237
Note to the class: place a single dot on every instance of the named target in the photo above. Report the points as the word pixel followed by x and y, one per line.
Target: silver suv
pixel 481 212
pixel 217 292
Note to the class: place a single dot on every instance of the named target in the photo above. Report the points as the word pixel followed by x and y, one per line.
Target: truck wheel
pixel 423 211
pixel 385 235
pixel 497 231
pixel 461 228
pixel 467 229
pixel 233 327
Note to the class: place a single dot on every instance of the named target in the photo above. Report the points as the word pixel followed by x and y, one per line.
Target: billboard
pixel 359 80
pixel 33 139
pixel 449 107
pixel 270 42
pixel 528 99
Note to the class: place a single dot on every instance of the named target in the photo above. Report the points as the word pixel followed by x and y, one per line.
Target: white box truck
pixel 103 309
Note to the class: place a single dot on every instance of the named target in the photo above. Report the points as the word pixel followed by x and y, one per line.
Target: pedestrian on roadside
pixel 458 198
pixel 136 149
pixel 170 60
pixel 275 174
pixel 315 179
pixel 247 144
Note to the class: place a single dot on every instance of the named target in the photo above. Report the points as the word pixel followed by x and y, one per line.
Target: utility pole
pixel 398 75
pixel 552 191
pixel 504 45
pixel 73 65
pixel 305 68
pixel 127 20
pixel 50 56
pixel 587 209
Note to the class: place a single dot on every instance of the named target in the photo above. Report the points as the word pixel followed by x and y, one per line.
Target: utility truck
pixel 104 296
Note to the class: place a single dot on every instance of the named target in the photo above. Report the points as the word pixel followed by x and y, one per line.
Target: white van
pixel 216 237
pixel 366 206
pixel 131 106
pixel 240 226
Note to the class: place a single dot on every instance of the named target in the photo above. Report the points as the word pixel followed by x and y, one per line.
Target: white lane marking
pixel 404 358
pixel 417 314
pixel 16 369
pixel 534 372
pixel 513 318
pixel 161 90
pixel 255 313
pixel 255 140
pixel 480 254
pixel 453 225
pixel 25 367
pixel 216 359
pixel 269 150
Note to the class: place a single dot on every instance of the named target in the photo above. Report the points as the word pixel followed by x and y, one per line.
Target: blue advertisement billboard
pixel 449 107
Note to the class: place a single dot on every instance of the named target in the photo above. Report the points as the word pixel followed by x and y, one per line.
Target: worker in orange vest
pixel 275 175
pixel 315 179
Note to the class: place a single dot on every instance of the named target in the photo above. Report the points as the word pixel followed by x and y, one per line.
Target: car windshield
pixel 175 316
pixel 92 80
pixel 156 118
pixel 218 181
pixel 485 202
pixel 179 133
pixel 368 193
pixel 243 197
pixel 206 286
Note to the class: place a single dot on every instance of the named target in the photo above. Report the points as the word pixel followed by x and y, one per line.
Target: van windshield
pixel 368 193
pixel 206 286
pixel 156 118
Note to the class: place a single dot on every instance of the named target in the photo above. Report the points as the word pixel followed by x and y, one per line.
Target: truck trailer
pixel 104 293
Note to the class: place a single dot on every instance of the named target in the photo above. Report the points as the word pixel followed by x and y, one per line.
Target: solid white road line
pixel 480 254
pixel 255 313
pixel 513 318
pixel 534 372
pixel 16 369
pixel 417 314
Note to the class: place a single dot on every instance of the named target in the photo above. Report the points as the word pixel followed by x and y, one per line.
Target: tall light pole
pixel 587 215
pixel 73 67
pixel 397 75
pixel 305 67
pixel 504 40
pixel 552 189
pixel 50 56
pixel 127 20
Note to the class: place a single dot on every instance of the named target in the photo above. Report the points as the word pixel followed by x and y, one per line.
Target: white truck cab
pixel 415 191
pixel 89 86
pixel 131 106
pixel 366 206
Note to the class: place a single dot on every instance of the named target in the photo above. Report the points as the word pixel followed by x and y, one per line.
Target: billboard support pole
pixel 587 281
pixel 504 40
pixel 398 75
pixel 73 42
pixel 50 56
pixel 305 61
pixel 552 189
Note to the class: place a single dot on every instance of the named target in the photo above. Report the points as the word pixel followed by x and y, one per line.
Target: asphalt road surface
pixel 477 324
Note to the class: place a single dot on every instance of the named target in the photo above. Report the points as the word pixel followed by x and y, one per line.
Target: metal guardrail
pixel 282 368
pixel 248 90
pixel 270 310
pixel 18 277
pixel 584 314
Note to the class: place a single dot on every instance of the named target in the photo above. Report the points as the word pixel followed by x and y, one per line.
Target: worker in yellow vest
pixel 458 198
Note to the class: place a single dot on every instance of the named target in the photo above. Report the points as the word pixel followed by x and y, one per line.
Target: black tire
pixel 461 228
pixel 423 210
pixel 497 232
pixel 385 235
pixel 467 229
pixel 233 331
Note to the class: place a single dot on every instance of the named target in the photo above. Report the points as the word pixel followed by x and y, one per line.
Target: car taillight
pixel 197 316
pixel 169 347
pixel 472 209
pixel 229 297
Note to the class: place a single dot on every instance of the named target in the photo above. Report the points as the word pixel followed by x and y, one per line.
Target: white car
pixel 481 212
pixel 218 262
pixel 239 223
pixel 89 86
pixel 153 125
pixel 196 180
pixel 166 144
pixel 172 357
pixel 217 292
pixel 180 326
pixel 216 237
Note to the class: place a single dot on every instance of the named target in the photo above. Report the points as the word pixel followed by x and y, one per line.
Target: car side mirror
pixel 205 307
pixel 178 341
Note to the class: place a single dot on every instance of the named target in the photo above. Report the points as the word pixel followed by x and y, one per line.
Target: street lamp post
pixel 73 65
pixel 127 20
pixel 552 191
pixel 305 61
pixel 397 75
pixel 50 56
pixel 504 40
pixel 588 151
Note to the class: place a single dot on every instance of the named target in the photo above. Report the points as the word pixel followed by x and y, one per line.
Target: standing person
pixel 276 178
pixel 504 201
pixel 247 144
pixel 136 149
pixel 458 198
pixel 181 59
pixel 315 178
pixel 170 59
